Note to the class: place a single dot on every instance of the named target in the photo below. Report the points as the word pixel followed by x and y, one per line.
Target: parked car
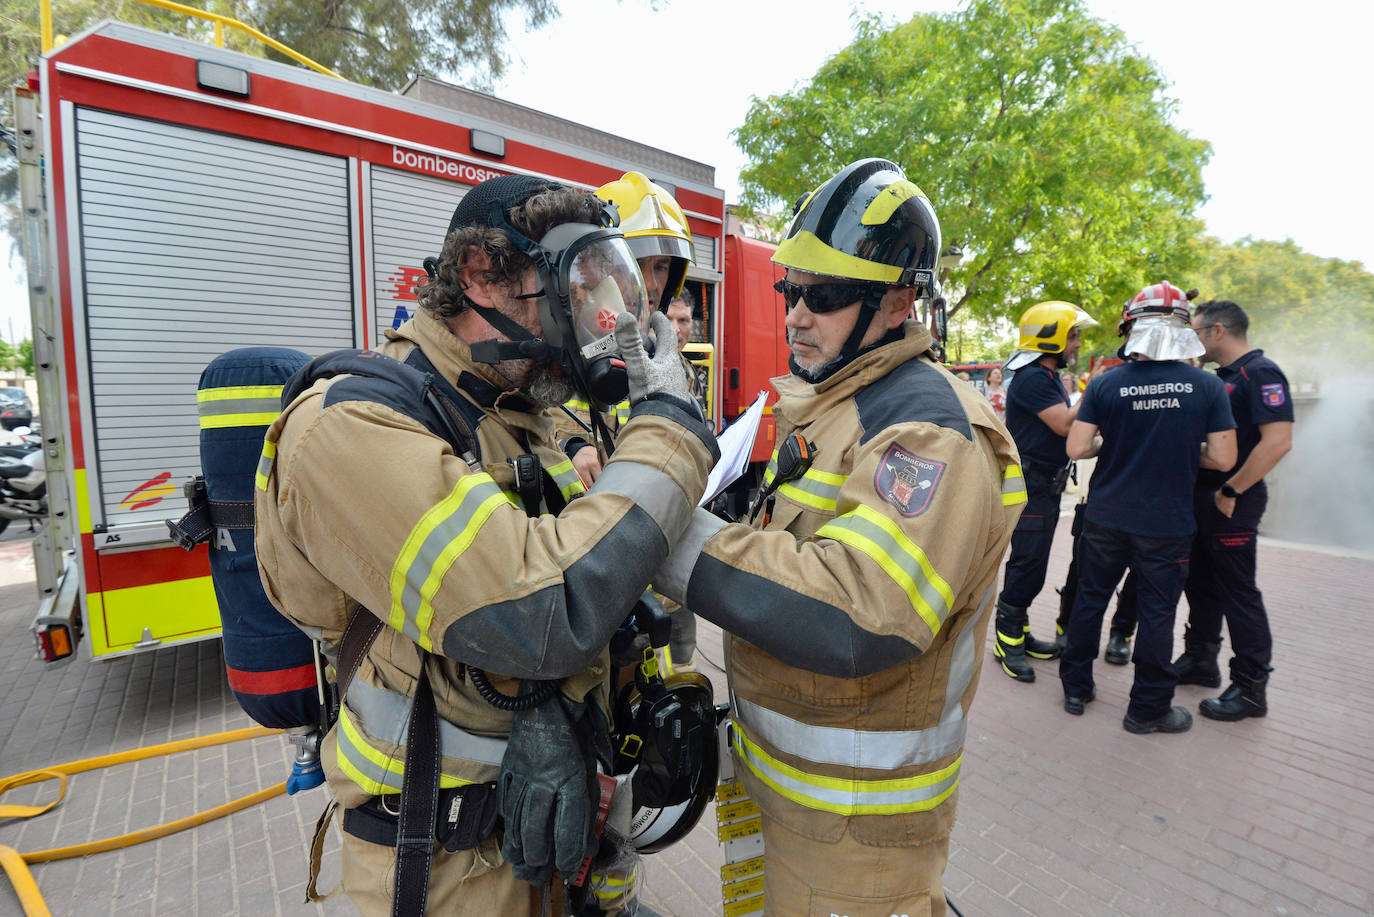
pixel 16 410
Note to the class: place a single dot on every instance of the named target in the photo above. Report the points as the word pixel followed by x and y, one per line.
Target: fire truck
pixel 181 200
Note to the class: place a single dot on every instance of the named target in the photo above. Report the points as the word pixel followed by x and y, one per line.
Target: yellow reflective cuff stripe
pixel 844 796
pixel 434 544
pixel 373 771
pixel 877 536
pixel 882 207
pixel 575 404
pixel 220 421
pixel 1013 486
pixel 269 454
pixel 622 411
pixel 566 477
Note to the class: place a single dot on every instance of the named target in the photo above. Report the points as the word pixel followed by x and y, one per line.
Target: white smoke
pixel 1322 492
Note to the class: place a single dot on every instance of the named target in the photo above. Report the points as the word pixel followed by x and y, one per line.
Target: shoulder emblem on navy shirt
pixel 907 481
pixel 1272 394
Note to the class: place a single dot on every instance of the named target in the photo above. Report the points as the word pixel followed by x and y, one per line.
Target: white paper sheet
pixel 736 445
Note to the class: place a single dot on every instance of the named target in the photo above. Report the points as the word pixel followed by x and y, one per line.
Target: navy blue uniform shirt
pixel 1030 391
pixel 1153 417
pixel 1259 394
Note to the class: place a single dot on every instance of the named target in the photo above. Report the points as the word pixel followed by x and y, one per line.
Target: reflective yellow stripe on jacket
pixel 238 406
pixel 877 536
pixel 382 713
pixel 890 796
pixel 565 476
pixel 868 750
pixel 1013 486
pixel 816 489
pixel 434 544
pixel 269 455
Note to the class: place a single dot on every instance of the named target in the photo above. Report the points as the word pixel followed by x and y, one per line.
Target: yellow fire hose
pixel 15 863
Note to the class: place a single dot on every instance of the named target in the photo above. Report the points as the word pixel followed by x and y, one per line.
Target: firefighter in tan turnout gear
pixel 445 510
pixel 858 604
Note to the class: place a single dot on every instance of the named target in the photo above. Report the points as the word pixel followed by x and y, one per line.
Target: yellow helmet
pixel 653 224
pixel 1045 326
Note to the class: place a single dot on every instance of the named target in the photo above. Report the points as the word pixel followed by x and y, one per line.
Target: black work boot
pixel 1118 649
pixel 1198 664
pixel 1176 720
pixel 1061 639
pixel 1243 697
pixel 1010 648
pixel 1040 649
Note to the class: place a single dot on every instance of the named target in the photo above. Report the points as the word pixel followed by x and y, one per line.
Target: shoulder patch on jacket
pixel 907 481
pixel 914 392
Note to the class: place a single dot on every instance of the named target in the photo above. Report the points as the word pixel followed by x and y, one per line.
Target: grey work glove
pixel 661 375
pixel 548 789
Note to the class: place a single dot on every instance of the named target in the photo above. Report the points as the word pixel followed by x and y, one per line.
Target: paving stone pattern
pixel 1059 815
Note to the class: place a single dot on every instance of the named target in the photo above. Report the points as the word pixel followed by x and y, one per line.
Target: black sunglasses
pixel 825 297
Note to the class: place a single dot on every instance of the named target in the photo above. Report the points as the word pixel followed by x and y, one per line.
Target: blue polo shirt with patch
pixel 1153 417
pixel 1259 393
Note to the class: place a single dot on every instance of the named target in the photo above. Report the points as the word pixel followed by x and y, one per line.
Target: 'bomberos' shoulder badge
pixel 907 481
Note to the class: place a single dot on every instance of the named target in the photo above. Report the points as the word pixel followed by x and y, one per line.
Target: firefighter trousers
pixel 469 883
pixel 1124 618
pixel 1221 580
pixel 1024 576
pixel 811 878
pixel 1161 566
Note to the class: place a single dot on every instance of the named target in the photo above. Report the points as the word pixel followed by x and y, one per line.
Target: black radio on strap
pixel 528 482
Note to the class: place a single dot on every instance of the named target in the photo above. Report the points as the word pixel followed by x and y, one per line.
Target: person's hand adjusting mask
pixel 660 375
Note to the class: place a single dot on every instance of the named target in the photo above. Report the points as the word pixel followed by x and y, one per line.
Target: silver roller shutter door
pixel 410 215
pixel 195 243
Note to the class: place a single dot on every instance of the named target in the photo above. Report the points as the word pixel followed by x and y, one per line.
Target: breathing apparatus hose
pixel 15 863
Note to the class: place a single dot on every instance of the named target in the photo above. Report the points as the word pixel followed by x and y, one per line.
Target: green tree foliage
pixel 1040 134
pixel 1315 314
pixel 26 356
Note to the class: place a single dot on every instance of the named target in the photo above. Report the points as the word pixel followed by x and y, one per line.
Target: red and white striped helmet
pixel 1161 298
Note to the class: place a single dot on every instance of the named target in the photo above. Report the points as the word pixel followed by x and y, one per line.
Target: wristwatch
pixel 1229 492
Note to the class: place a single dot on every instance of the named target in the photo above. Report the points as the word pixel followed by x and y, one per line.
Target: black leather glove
pixel 548 789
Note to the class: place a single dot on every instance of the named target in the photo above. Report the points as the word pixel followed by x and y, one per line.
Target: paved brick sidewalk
pixel 1058 815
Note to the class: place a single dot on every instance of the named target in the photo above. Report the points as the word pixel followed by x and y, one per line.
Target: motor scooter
pixel 23 481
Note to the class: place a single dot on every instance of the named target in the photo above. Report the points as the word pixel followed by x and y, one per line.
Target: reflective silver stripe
pixel 240 406
pixel 622 413
pixel 655 493
pixel 818 489
pixel 566 477
pixel 433 546
pixel 387 716
pixel 264 473
pixel 844 796
pixel 871 750
pixel 1013 486
pixel 674 574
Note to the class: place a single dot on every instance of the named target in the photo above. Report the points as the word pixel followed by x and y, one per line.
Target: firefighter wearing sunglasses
pixel 857 609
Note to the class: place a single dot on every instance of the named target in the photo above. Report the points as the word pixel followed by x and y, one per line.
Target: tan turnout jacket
pixel 360 504
pixel 874 579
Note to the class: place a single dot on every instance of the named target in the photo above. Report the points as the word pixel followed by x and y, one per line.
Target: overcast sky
pixel 1280 90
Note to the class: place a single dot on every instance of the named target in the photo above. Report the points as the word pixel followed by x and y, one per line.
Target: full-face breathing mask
pixel 587 276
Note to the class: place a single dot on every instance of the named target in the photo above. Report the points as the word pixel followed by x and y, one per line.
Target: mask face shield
pixel 590 277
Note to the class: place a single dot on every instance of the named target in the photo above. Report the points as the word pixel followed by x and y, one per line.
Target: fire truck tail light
pixel 54 642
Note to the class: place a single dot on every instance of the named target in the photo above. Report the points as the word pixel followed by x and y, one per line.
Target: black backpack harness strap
pixel 419 391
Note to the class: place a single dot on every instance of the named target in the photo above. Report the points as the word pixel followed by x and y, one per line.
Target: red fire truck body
pixel 197 200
